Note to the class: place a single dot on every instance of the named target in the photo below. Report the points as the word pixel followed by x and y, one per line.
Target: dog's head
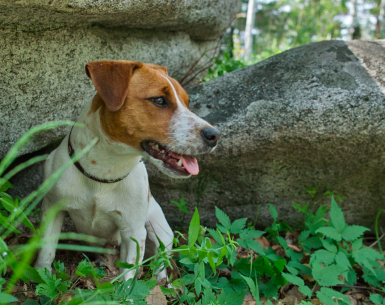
pixel 144 108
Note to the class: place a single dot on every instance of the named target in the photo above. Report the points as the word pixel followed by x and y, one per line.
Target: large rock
pixel 46 44
pixel 311 117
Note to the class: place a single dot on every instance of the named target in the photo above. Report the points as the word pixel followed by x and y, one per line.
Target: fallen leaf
pixel 296 293
pixel 249 300
pixel 295 248
pixel 156 297
pixel 263 241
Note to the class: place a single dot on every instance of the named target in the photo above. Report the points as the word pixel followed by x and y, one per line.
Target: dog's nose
pixel 211 136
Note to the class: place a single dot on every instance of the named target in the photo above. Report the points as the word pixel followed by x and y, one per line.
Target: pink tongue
pixel 190 164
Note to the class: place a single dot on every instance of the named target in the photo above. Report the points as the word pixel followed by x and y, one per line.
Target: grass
pixel 227 264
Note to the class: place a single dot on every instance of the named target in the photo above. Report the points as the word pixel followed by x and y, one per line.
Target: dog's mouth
pixel 183 165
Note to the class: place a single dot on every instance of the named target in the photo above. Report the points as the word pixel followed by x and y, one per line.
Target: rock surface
pixel 201 19
pixel 311 117
pixel 46 44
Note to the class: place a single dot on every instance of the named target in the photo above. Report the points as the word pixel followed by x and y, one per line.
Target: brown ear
pixel 111 80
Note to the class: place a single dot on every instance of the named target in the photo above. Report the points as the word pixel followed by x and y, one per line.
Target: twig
pixel 373 244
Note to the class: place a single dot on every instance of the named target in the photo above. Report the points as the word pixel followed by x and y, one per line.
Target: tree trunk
pixel 355 29
pixel 249 26
pixel 380 26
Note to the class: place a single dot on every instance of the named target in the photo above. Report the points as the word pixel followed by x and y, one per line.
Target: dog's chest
pixel 100 211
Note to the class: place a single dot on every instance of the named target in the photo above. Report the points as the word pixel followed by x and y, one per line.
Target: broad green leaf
pixel 193 231
pixel 337 216
pixel 223 218
pixel 303 236
pixel 327 276
pixel 6 298
pixel 282 242
pixel 323 256
pixel 238 225
pixel 351 233
pixel 209 296
pixel 273 211
pixel 329 297
pixel 376 298
pixel 295 280
pixel 330 232
pixel 342 260
pixel 188 279
pixel 329 246
pixel 305 291
pixel 198 286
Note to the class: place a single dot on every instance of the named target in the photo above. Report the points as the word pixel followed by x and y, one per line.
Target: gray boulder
pixel 311 117
pixel 46 44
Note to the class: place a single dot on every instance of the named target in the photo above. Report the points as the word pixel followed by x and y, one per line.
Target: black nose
pixel 211 136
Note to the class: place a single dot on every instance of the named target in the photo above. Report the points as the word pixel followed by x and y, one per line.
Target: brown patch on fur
pixel 119 213
pixel 93 162
pixel 97 102
pixel 139 119
pixel 149 194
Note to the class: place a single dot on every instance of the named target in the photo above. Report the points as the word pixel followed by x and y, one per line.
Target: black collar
pixel 71 152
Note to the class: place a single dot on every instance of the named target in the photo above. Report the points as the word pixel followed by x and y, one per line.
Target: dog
pixel 138 112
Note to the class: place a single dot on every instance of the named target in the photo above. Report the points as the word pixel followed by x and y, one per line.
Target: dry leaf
pixel 296 293
pixel 295 248
pixel 263 241
pixel 249 300
pixel 289 300
pixel 352 300
pixel 156 297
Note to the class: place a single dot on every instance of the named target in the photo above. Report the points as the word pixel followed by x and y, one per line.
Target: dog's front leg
pixel 46 254
pixel 128 251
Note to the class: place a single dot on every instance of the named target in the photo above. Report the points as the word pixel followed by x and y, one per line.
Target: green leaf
pixel 6 298
pixel 238 225
pixel 329 246
pixel 351 233
pixel 187 279
pixel 215 234
pixel 330 232
pixel 331 297
pixel 193 231
pixel 376 298
pixel 327 276
pixel 253 287
pixel 4 185
pixel 342 260
pixel 337 216
pixel 223 218
pixel 273 211
pixel 4 222
pixel 323 256
pixel 282 242
pixel 303 236
pixel 295 280
pixel 208 296
pixel 31 302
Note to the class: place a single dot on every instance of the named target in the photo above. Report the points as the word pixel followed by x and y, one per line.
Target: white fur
pixel 115 211
pixel 185 129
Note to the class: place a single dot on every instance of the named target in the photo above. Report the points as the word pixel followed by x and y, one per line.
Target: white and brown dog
pixel 138 111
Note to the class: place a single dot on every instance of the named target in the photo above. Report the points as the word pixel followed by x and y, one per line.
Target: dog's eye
pixel 159 101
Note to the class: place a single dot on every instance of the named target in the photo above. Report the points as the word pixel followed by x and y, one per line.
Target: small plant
pixel 223 64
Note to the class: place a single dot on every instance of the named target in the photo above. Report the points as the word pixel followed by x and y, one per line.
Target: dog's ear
pixel 111 79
